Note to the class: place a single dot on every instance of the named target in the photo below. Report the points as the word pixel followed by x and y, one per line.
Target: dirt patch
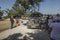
pixel 5 25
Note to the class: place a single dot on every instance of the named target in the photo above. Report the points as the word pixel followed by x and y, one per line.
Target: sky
pixel 6 4
pixel 50 7
pixel 46 7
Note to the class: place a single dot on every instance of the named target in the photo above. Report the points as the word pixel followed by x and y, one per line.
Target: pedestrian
pixel 55 29
pixel 49 21
pixel 17 22
pixel 46 22
pixel 12 21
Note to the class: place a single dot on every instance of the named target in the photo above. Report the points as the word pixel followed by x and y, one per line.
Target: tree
pixel 21 6
pixel 26 3
pixel 19 10
pixel 10 12
pixel 1 13
pixel 15 11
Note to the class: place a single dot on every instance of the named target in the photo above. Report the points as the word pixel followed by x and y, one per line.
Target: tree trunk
pixel 38 6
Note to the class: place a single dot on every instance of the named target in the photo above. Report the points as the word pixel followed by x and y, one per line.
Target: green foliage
pixel 19 10
pixel 26 3
pixel 21 6
pixel 10 12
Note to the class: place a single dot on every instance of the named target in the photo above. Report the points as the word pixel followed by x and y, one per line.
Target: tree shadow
pixel 39 35
pixel 13 37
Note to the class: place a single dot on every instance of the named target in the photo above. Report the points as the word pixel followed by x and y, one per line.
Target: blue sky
pixel 46 7
pixel 50 7
pixel 6 4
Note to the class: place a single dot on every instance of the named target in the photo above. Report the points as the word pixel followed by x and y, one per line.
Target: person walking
pixel 55 29
pixel 12 21
pixel 17 22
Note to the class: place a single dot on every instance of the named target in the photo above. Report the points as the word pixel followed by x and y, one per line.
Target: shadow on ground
pixel 13 37
pixel 39 35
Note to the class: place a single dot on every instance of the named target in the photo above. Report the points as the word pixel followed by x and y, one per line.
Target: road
pixel 18 33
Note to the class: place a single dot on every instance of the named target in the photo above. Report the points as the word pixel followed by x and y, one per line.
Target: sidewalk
pixel 21 31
